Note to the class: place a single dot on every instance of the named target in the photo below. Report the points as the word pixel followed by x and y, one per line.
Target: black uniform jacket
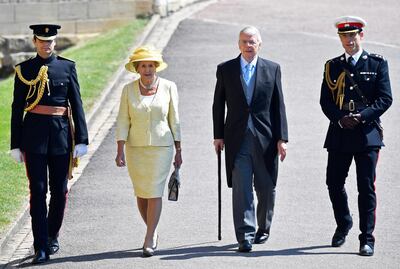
pixel 267 110
pixel 371 73
pixel 45 134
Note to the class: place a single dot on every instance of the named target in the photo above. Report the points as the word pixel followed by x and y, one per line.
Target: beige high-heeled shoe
pixel 149 251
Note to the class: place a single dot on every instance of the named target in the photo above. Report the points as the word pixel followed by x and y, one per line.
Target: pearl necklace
pixel 150 87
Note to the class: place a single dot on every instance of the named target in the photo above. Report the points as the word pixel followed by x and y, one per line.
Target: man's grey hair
pixel 252 31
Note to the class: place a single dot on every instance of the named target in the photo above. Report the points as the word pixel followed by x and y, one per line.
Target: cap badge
pixel 346 25
pixel 46 30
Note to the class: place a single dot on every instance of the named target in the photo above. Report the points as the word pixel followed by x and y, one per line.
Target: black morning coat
pixel 267 110
pixel 45 134
pixel 371 73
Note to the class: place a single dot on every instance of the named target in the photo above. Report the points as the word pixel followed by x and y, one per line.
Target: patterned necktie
pixel 351 61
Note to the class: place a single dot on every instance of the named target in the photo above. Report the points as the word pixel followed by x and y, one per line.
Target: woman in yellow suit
pixel 148 129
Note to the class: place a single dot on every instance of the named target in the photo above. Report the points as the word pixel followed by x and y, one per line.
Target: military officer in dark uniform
pixel 355 92
pixel 48 132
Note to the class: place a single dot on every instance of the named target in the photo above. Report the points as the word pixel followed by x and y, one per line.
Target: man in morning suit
pixel 355 92
pixel 253 133
pixel 46 93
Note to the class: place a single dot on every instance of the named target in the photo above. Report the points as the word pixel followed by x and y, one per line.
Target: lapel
pixel 343 59
pixel 136 91
pixel 236 76
pixel 361 61
pixel 261 75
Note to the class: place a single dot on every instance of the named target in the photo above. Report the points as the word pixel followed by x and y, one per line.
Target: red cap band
pixel 349 24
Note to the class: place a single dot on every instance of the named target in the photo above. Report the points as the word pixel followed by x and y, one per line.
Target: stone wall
pixel 164 7
pixel 79 16
pixel 76 17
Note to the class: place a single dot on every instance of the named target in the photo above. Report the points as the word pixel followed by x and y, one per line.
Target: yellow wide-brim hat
pixel 145 54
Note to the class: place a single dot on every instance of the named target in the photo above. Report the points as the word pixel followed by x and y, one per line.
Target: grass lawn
pixel 96 61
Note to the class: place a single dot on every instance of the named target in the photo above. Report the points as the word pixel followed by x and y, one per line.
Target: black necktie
pixel 351 61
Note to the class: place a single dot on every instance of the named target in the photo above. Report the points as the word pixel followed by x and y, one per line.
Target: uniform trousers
pixel 337 171
pixel 249 168
pixel 39 167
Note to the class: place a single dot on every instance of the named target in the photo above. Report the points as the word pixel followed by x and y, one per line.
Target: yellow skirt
pixel 148 169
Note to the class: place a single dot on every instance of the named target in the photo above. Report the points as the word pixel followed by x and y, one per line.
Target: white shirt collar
pixel 243 62
pixel 355 56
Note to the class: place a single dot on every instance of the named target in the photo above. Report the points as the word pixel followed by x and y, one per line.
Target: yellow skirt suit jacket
pixel 149 132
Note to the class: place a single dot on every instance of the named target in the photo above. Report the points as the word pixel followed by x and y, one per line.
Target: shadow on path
pixel 186 252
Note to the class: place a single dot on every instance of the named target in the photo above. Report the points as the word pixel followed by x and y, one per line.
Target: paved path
pixel 103 228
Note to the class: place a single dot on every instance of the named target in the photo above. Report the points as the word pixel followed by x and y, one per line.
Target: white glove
pixel 17 155
pixel 80 150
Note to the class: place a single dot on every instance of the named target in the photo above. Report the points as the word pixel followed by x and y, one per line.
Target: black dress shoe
pixel 261 237
pixel 338 239
pixel 52 245
pixel 40 257
pixel 366 250
pixel 245 246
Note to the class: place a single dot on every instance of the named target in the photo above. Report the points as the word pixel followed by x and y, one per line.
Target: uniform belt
pixel 353 106
pixel 49 110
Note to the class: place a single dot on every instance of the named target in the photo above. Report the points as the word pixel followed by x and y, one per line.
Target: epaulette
pixel 336 59
pixel 63 58
pixel 377 56
pixel 27 60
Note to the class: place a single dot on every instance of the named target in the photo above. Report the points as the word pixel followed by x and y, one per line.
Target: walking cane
pixel 219 195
